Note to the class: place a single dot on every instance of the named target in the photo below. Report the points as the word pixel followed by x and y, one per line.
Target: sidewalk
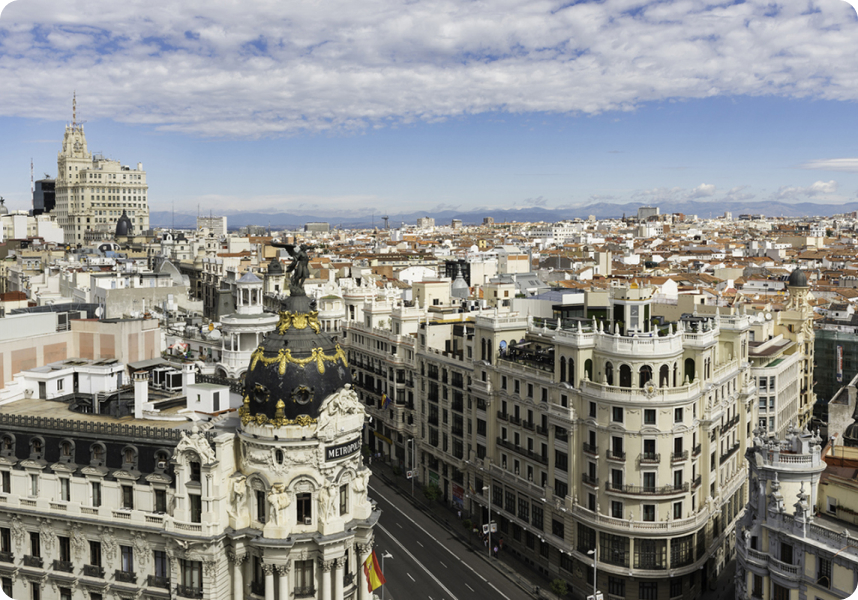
pixel 518 572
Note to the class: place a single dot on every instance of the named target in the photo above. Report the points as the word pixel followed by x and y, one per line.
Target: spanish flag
pixel 374 576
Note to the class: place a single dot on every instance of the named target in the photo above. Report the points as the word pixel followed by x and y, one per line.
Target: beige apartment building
pixel 92 192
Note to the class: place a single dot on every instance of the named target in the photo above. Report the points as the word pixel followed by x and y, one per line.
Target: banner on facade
pixel 839 363
pixel 342 450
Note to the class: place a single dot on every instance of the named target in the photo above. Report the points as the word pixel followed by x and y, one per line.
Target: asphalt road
pixel 426 561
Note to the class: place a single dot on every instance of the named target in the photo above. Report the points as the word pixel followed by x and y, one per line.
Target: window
pixel 524 509
pixel 647 590
pixel 677 415
pixel 823 572
pixel 593 409
pixel 127 559
pixel 95 554
pixel 649 512
pixel 34 485
pixel 35 545
pixel 304 507
pixel 561 460
pixel 160 501
pixel 161 568
pixel 65 490
pixel 617 414
pixel 561 488
pixel 7 587
pixel 536 516
pixel 616 587
pixel 304 578
pixel 65 548
pixel 757 586
pixel 614 549
pixel 617 509
pixel 127 497
pixel 344 499
pixel 195 471
pixel 649 416
pixel 676 586
pixel 5 539
pixel 96 493
pixel 649 481
pixel 191 574
pixel 509 502
pixel 779 593
pixel 196 508
pixel 677 510
pixel 7 482
pixel 586 538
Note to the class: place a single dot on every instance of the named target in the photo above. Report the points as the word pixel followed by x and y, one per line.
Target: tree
pixel 432 492
pixel 558 587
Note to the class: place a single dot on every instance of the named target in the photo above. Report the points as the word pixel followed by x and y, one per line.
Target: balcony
pixel 515 420
pixel 64 566
pixel 304 592
pixel 729 453
pixel 503 417
pixel 561 437
pixel 522 451
pixel 697 481
pixel 679 456
pixel 646 490
pixel 541 430
pixel 33 561
pixel 7 557
pixel 529 425
pixel 158 582
pixel 697 449
pixel 594 481
pixel 616 455
pixel 93 571
pixel 651 458
pixel 125 576
pixel 591 449
pixel 187 591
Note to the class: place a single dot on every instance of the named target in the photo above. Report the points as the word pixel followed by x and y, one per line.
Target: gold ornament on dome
pixel 298 320
pixel 279 419
pixel 284 357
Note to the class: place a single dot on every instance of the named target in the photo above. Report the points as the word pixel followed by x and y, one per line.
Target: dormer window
pixel 97 453
pixel 8 445
pixel 36 446
pixel 129 457
pixel 66 450
pixel 195 471
pixel 161 460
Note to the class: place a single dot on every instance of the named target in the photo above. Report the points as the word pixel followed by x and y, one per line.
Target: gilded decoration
pixel 278 421
pixel 298 320
pixel 284 357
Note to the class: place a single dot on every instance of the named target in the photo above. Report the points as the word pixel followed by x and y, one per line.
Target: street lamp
pixel 411 441
pixel 384 555
pixel 595 553
pixel 489 504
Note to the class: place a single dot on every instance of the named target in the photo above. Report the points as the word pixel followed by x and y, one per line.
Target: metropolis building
pixel 270 503
pixel 615 433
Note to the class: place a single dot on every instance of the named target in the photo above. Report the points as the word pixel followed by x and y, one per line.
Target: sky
pixel 350 108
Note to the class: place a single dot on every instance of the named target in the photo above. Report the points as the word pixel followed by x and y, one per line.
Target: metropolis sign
pixel 342 450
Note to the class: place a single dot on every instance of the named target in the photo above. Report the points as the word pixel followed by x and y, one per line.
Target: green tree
pixel 558 587
pixel 432 492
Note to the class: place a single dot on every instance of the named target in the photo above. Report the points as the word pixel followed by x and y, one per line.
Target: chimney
pixel 141 392
pixel 188 377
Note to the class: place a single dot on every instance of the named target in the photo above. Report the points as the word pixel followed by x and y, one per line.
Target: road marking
pixel 419 563
pixel 412 579
pixel 469 587
pixel 439 543
pixel 419 544
pixel 442 564
pixel 398 525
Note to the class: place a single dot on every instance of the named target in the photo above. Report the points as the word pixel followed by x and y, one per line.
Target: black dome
pixel 275 267
pixel 294 369
pixel 124 226
pixel 850 436
pixel 797 279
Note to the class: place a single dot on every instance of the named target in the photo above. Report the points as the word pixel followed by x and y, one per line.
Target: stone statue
pixel 197 443
pixel 327 503
pixel 279 498
pixel 18 531
pixel 360 485
pixel 238 487
pixel 299 268
pixel 78 541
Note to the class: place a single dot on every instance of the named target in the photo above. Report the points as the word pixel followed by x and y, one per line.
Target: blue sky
pixel 338 108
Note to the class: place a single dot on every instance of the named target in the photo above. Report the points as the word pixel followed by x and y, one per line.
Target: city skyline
pixel 435 106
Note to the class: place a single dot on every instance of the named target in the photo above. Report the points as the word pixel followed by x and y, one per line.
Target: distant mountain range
pixel 602 210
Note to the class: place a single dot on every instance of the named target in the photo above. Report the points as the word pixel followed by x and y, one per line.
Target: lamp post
pixel 489 504
pixel 384 555
pixel 411 441
pixel 595 553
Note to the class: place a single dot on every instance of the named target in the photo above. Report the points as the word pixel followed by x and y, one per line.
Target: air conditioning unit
pixel 308 521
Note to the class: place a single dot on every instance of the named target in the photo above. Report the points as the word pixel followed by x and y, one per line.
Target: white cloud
pixel 704 190
pixel 817 189
pixel 271 68
pixel 848 165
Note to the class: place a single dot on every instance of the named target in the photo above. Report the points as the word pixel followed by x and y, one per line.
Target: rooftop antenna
pixel 32 185
pixel 385 219
pixel 74 109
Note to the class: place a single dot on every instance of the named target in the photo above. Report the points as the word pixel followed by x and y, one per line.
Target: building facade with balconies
pixel 622 436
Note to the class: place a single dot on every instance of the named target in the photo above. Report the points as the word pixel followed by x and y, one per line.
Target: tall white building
pixel 92 192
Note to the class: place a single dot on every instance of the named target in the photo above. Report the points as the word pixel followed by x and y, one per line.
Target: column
pixel 325 566
pixel 363 585
pixel 237 575
pixel 283 581
pixel 339 566
pixel 268 568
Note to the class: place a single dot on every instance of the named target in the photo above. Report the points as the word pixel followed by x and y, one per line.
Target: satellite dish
pixel 99 311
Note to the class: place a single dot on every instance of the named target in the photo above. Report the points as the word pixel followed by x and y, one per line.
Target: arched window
pixel 96 452
pixel 644 375
pixel 675 370
pixel 278 455
pixel 609 373
pixel 66 450
pixel 8 444
pixel 689 369
pixel 664 376
pixel 625 376
pixel 129 457
pixel 562 368
pixel 162 459
pixel 571 372
pixel 588 368
pixel 37 444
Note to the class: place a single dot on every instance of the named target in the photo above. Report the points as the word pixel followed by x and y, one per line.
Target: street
pixel 427 561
